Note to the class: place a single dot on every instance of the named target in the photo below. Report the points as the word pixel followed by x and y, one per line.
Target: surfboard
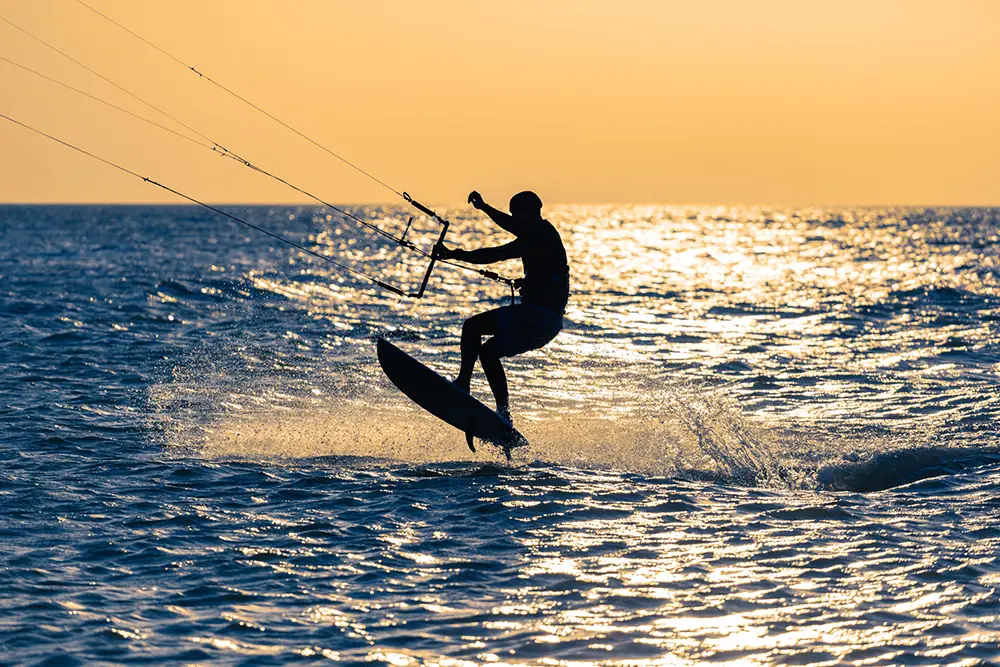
pixel 438 396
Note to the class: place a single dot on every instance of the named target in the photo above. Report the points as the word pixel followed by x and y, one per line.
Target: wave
pixel 891 469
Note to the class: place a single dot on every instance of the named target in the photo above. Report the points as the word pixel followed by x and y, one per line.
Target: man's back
pixel 546 270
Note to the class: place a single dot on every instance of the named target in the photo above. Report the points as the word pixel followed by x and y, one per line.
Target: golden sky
pixel 708 101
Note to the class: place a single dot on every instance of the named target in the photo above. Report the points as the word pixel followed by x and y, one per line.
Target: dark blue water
pixel 764 437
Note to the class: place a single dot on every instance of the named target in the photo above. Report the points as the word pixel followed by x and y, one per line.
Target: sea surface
pixel 764 436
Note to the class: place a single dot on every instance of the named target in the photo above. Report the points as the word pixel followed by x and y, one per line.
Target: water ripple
pixel 766 436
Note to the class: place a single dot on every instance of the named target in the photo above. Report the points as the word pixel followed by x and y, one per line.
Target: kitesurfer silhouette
pixel 528 325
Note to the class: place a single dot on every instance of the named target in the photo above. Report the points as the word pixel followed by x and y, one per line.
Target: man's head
pixel 526 205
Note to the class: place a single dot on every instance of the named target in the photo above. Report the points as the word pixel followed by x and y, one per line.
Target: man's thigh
pixel 522 328
pixel 487 323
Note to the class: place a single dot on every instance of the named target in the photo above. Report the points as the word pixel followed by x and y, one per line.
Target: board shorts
pixel 524 327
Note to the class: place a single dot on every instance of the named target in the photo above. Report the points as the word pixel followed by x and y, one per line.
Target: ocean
pixel 764 436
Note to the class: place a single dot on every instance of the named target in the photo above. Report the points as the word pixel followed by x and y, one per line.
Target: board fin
pixel 468 441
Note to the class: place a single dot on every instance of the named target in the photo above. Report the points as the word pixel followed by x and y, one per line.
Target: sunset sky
pixel 718 101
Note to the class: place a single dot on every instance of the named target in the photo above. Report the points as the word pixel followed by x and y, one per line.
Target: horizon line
pixel 556 203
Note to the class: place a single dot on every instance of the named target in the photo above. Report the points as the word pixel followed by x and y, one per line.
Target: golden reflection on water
pixel 689 333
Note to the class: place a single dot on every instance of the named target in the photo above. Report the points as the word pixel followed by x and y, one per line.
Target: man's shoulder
pixel 543 228
pixel 539 234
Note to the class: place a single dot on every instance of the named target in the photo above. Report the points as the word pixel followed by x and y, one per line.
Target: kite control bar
pixel 492 275
pixel 444 231
pixel 430 267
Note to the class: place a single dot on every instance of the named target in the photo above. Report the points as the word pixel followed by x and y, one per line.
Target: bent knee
pixel 477 325
pixel 490 350
pixel 471 330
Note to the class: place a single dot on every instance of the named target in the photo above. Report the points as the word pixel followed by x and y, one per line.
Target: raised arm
pixel 503 220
